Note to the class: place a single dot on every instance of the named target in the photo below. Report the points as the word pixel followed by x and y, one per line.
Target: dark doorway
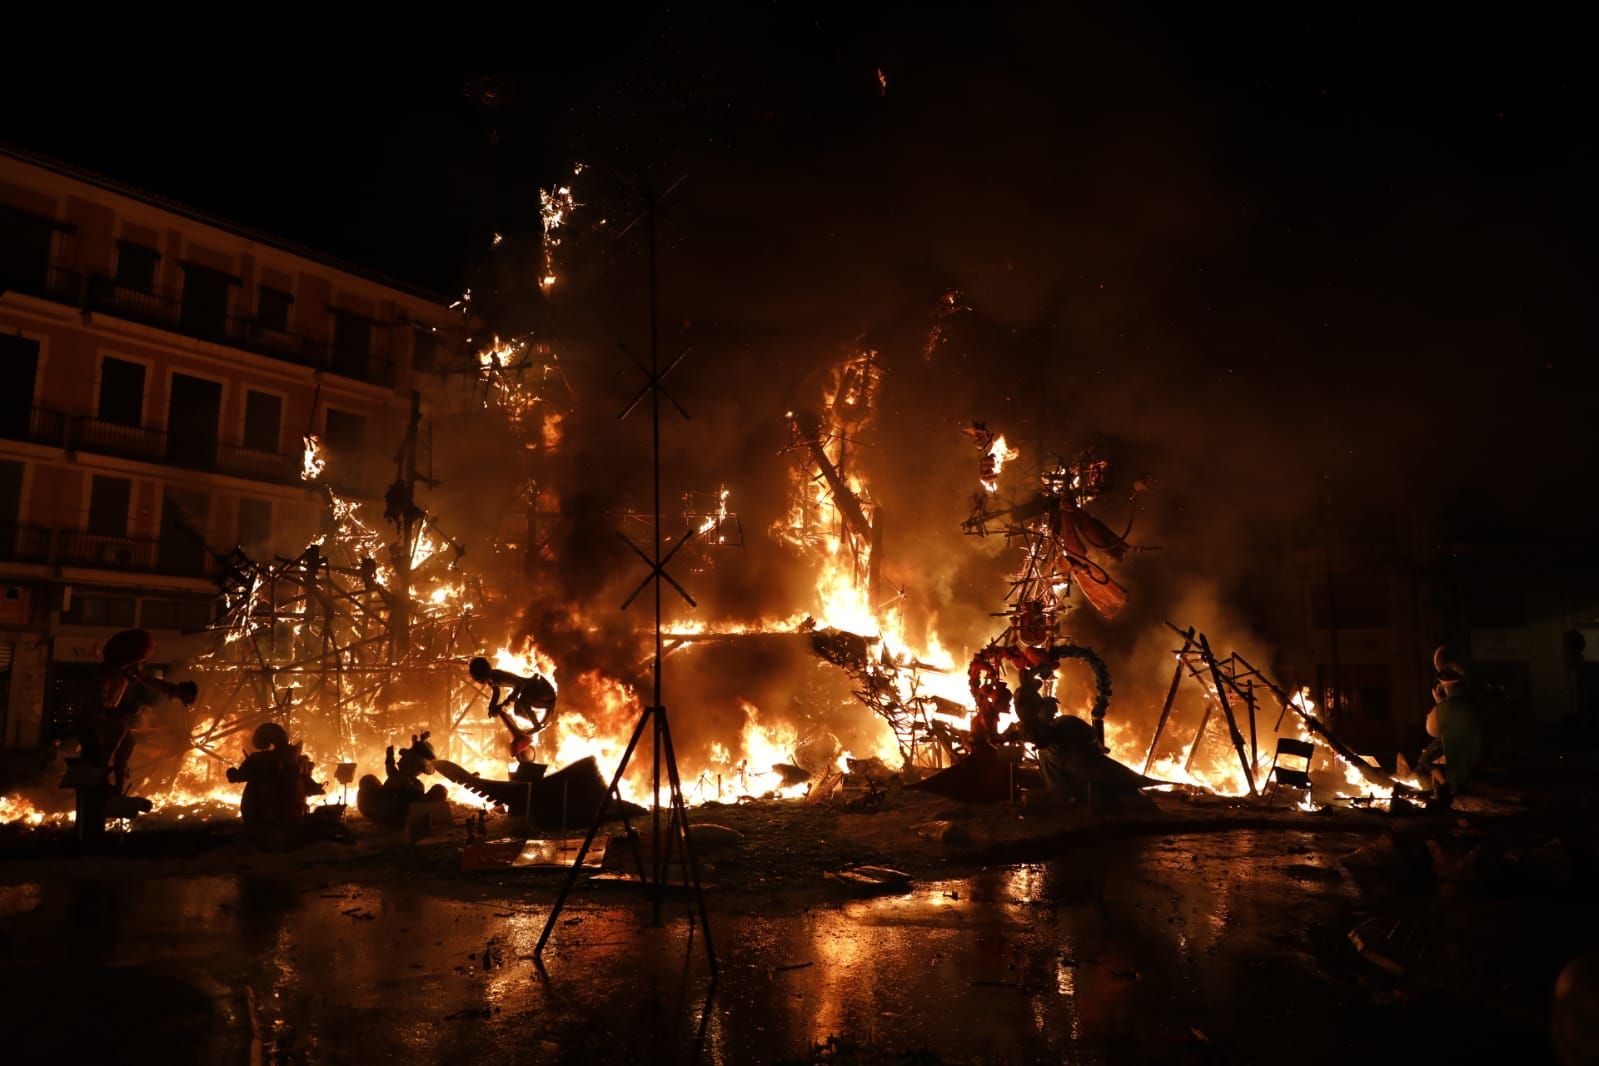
pixel 10 493
pixel 346 435
pixel 19 368
pixel 25 242
pixel 109 500
pixel 1360 705
pixel 272 309
pixel 136 266
pixel 121 392
pixel 192 415
pixel 204 312
pixel 183 521
pixel 263 421
pixel 14 542
pixel 352 345
pixel 255 524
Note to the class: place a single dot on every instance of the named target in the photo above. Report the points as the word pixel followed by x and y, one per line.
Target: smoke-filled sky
pixel 1267 259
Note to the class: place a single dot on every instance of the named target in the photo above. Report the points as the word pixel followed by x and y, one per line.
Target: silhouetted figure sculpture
pixel 277 781
pixel 526 697
pixel 106 737
pixel 1073 762
pixel 389 801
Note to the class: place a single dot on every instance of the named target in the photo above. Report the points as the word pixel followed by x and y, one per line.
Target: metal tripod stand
pixel 675 836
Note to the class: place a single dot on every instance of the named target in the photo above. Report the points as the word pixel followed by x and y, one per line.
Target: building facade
pixel 159 370
pixel 1360 605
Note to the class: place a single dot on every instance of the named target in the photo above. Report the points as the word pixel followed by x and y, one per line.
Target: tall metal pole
pixel 657 559
pixel 658 852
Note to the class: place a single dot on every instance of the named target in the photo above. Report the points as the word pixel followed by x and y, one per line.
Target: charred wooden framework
pixel 891 689
pixel 824 447
pixel 716 526
pixel 1235 687
pixel 324 644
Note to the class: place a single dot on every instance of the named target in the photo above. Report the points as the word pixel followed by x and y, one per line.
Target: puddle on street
pixel 1131 949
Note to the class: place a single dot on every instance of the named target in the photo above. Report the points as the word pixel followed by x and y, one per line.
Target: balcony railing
pixel 46 280
pixel 242 461
pixel 74 548
pixel 24 544
pixel 176 556
pixel 192 454
pixel 180 557
pixel 154 308
pixel 371 366
pixel 117 438
pixel 153 446
pixel 149 307
pixel 40 425
pixel 252 336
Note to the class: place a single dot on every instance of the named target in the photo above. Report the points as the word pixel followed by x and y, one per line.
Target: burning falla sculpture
pixel 1062 548
pixel 834 519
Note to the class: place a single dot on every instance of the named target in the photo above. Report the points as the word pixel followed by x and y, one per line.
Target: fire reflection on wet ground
pixel 1148 950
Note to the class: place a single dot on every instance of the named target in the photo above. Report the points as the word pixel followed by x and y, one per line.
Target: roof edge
pixel 194 214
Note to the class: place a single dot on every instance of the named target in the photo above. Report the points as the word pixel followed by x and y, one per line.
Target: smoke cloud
pixel 1122 273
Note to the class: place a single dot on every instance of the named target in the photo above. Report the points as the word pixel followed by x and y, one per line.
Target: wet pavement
pixel 1214 948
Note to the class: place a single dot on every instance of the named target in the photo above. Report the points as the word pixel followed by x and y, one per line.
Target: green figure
pixel 1456 724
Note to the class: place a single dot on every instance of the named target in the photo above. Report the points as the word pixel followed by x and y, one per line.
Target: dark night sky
pixel 1379 231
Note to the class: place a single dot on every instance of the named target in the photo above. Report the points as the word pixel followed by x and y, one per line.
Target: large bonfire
pixel 360 640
